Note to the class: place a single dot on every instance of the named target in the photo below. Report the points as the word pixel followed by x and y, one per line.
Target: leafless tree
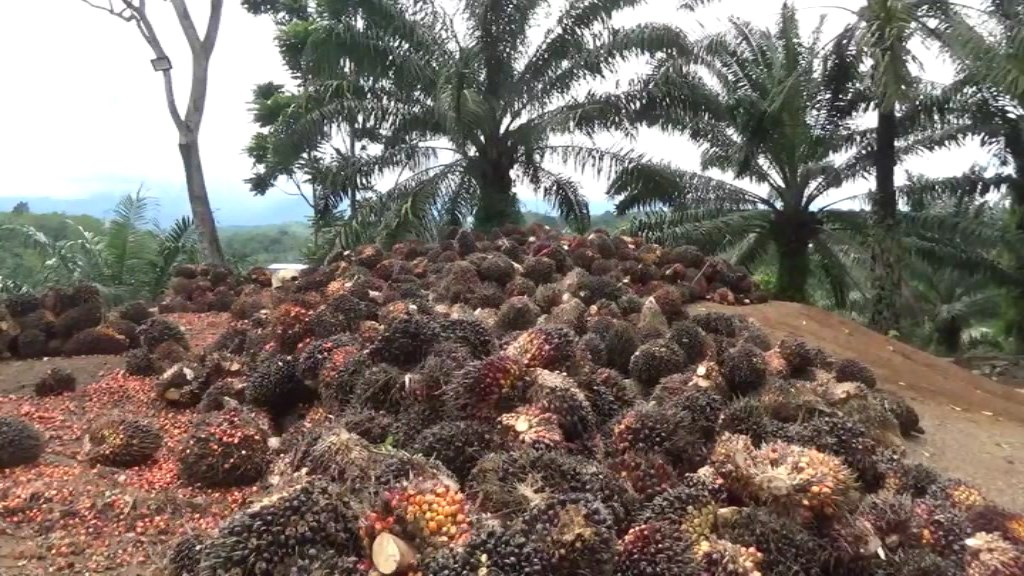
pixel 187 124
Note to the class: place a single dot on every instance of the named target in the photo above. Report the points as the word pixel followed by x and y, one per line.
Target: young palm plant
pixel 768 108
pixel 482 108
pixel 131 258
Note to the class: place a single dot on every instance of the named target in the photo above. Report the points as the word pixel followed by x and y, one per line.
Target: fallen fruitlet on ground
pixel 521 403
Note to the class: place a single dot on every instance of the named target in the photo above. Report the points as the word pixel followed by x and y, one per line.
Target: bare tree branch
pixel 213 26
pixel 124 13
pixel 188 27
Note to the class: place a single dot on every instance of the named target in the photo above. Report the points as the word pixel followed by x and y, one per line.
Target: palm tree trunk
pixel 200 202
pixel 497 204
pixel 885 244
pixel 793 270
pixel 1014 313
pixel 948 336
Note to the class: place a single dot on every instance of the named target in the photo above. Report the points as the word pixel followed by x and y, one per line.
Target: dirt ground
pixel 974 427
pixel 17 377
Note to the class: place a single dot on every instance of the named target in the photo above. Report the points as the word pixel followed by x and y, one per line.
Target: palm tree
pixel 778 112
pixel 481 107
pixel 883 34
pixel 987 101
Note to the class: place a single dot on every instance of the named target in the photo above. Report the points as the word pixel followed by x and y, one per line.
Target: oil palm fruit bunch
pixel 226 448
pixel 576 531
pixel 992 555
pixel 20 442
pixel 415 516
pixel 655 549
pixel 122 442
pixel 547 347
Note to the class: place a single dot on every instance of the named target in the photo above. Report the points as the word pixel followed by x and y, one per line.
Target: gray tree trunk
pixel 187 124
pixel 202 214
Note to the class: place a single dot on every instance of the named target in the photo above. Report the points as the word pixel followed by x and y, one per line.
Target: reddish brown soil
pixel 974 426
pixel 98 521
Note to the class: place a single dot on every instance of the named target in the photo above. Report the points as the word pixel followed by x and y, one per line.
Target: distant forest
pixel 244 245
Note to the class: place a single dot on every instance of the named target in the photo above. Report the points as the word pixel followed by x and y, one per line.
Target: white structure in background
pixel 284 273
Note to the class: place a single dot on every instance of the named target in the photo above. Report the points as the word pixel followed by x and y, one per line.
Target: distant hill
pixel 230 209
pixel 238 209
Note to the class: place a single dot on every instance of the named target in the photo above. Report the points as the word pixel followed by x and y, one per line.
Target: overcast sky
pixel 83 111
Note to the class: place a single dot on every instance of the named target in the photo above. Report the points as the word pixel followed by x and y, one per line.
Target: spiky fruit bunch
pixel 744 369
pixel 316 355
pixel 853 370
pixel 501 482
pixel 540 270
pixel 21 304
pixel 140 362
pixel 650 428
pixel 798 355
pixel 459 444
pixel 274 385
pixel 902 477
pixel 621 342
pixel 992 555
pixel 492 550
pixel 20 442
pixel 723 558
pixel 424 513
pixel 959 494
pixel 991 518
pixel 941 528
pixel 702 406
pixel 304 523
pixel 95 342
pixel 184 557
pixel 122 442
pixel 77 319
pixel 748 417
pixel 226 448
pixel 607 393
pixel 30 344
pixel 690 339
pixel 791 479
pixel 843 438
pixel 576 531
pixel 486 386
pixel 55 382
pixel 655 549
pixel 718 323
pixel 649 474
pixel 517 313
pixel 558 394
pixel 571 314
pixel 406 341
pixel 692 507
pixel 532 426
pixel 654 361
pixel 547 347
pixel 469 333
pixel 901 411
pixel 158 330
pixel 788 549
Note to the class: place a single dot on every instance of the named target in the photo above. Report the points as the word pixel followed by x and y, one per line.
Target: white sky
pixel 84 112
